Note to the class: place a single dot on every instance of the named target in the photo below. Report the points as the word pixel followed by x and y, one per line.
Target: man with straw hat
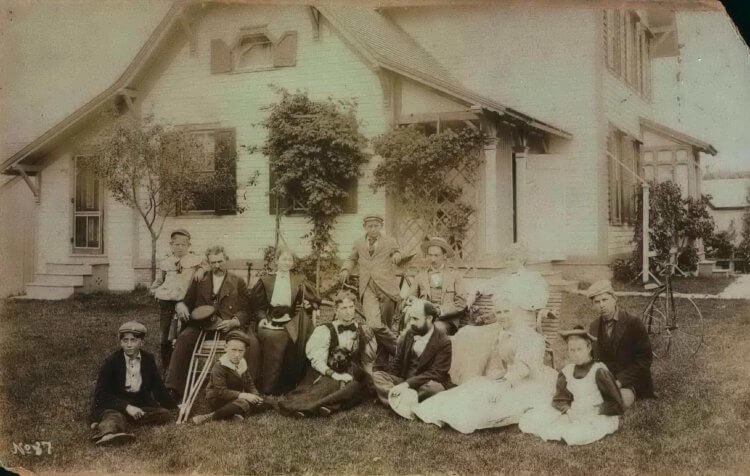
pixel 441 285
pixel 622 344
pixel 377 256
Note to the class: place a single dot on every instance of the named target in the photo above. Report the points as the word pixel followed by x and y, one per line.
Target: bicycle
pixel 675 330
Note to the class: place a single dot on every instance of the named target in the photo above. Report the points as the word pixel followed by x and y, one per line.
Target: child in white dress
pixel 587 402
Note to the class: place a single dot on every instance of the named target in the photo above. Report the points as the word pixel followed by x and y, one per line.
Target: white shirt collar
pixel 240 368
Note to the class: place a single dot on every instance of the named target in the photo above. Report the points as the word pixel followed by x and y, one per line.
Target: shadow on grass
pixel 50 353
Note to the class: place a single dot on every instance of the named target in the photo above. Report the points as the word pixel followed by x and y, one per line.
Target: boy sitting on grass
pixel 127 390
pixel 231 392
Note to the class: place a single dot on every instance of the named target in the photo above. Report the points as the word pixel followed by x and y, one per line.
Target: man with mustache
pixel 420 368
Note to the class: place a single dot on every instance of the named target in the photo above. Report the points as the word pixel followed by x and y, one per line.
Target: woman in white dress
pixel 513 379
pixel 587 403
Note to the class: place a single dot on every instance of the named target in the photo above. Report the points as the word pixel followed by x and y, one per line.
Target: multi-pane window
pixel 219 163
pixel 627 49
pixel 295 205
pixel 676 164
pixel 623 162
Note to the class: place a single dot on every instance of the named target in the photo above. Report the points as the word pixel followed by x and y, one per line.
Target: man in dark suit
pixel 376 256
pixel 227 294
pixel 622 344
pixel 421 364
pixel 129 390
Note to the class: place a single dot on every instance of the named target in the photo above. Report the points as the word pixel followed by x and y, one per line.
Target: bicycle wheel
pixel 655 320
pixel 686 335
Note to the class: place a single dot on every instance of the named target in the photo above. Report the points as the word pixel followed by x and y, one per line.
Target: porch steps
pixel 63 280
pixel 48 293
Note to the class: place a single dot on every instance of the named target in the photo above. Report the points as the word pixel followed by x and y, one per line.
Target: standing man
pixel 227 294
pixel 420 368
pixel 622 344
pixel 441 286
pixel 376 255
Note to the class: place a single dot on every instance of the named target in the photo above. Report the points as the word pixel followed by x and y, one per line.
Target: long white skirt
pixel 579 426
pixel 485 403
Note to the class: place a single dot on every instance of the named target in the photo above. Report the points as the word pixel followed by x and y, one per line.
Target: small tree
pixel 314 149
pixel 417 170
pixel 150 168
pixel 674 222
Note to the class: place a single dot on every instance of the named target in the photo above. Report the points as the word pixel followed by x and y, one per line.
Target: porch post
pixel 490 198
pixel 520 199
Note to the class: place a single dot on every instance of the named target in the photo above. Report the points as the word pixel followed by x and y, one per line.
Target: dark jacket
pixel 433 364
pixel 262 292
pixel 225 385
pixel 110 393
pixel 231 300
pixel 627 354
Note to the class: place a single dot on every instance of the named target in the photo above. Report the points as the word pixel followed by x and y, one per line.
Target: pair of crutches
pixel 197 376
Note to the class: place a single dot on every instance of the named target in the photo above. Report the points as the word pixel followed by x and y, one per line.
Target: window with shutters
pixel 623 159
pixel 627 49
pixel 254 49
pixel 296 205
pixel 218 192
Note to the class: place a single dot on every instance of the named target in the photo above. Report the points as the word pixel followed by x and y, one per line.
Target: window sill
pixel 202 214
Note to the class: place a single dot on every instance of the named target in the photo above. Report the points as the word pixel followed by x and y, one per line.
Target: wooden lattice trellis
pixel 410 231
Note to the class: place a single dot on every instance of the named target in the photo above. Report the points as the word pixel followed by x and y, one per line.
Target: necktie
pixel 371 242
pixel 610 325
pixel 347 327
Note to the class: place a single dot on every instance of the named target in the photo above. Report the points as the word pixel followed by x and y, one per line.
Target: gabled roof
pixel 378 40
pixel 387 46
pixel 727 193
pixel 678 136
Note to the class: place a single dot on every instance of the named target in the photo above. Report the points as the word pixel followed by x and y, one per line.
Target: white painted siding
pixel 620 240
pixel 17 236
pixel 186 92
pixel 521 57
pixel 55 220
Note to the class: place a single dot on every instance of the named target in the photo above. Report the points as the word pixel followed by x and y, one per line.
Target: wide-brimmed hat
pixel 600 287
pixel 577 331
pixel 132 327
pixel 405 403
pixel 237 335
pixel 201 313
pixel 437 241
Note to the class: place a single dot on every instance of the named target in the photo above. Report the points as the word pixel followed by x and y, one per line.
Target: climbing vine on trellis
pixel 419 171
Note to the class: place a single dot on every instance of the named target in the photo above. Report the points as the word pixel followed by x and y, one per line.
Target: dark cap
pixel 179 231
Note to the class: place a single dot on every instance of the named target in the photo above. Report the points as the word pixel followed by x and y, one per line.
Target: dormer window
pixel 254 49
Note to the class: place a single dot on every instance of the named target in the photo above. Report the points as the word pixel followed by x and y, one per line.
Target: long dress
pixel 317 389
pixel 582 422
pixel 514 380
pixel 283 329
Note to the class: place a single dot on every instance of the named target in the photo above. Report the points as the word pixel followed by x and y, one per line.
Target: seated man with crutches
pixel 218 302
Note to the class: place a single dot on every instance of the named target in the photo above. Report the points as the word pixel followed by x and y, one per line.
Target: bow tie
pixel 347 327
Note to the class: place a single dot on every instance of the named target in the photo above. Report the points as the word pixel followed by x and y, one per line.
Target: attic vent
pixel 254 49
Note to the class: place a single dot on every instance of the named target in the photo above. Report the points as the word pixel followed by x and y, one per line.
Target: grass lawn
pixel 50 352
pixel 689 285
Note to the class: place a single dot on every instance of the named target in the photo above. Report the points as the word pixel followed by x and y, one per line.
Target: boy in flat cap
pixel 622 344
pixel 377 256
pixel 173 278
pixel 231 391
pixel 129 390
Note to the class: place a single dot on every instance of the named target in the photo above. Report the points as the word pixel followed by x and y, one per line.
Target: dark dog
pixel 340 360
